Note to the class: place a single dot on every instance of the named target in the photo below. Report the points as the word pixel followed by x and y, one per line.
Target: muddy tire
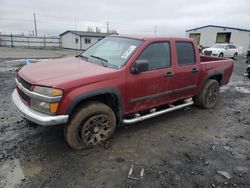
pixel 30 123
pixel 208 95
pixel 92 124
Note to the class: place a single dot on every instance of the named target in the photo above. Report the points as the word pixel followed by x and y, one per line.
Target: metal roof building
pixel 80 40
pixel 208 35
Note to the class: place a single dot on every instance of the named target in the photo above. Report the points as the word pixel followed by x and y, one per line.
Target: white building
pixel 80 40
pixel 210 34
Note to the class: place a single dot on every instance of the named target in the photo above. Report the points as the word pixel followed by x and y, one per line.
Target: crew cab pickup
pixel 119 80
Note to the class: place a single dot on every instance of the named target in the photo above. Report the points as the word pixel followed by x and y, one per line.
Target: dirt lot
pixel 186 148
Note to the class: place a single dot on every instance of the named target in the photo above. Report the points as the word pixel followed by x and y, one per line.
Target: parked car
pixel 222 50
pixel 247 72
pixel 119 80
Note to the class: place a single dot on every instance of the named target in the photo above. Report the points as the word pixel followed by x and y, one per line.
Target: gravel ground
pixel 187 148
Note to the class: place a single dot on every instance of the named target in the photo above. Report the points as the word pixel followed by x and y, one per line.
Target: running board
pixel 139 118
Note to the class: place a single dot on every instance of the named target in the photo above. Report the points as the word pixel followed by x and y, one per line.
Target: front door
pixel 153 86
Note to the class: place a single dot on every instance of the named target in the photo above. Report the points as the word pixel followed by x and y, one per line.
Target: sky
pixel 147 17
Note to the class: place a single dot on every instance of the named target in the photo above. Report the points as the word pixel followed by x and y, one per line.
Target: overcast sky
pixel 126 16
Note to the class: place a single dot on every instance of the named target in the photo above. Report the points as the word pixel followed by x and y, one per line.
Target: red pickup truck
pixel 119 80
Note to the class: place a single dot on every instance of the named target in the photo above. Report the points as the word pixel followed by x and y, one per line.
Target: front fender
pixel 83 96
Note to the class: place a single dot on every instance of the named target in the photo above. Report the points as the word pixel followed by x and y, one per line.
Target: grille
pixel 22 95
pixel 23 82
pixel 25 85
pixel 206 52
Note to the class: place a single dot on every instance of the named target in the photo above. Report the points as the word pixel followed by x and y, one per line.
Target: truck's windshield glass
pixel 112 51
pixel 219 46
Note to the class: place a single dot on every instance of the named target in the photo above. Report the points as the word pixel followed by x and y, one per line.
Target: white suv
pixel 222 50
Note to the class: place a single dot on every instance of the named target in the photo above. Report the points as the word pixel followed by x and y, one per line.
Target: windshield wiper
pixel 101 59
pixel 84 57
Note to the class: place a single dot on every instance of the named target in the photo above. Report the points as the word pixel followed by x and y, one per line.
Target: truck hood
pixel 58 71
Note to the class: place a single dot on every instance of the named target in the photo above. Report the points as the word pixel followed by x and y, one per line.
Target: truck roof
pixel 150 37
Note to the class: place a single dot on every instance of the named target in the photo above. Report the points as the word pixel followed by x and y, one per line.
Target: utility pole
pixel 107 27
pixel 35 24
pixel 76 39
pixel 155 29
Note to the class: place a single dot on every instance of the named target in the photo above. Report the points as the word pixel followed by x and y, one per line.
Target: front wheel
pixel 235 56
pixel 208 95
pixel 30 123
pixel 93 124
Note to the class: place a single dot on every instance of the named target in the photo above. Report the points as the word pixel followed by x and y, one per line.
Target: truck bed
pixel 210 58
pixel 215 65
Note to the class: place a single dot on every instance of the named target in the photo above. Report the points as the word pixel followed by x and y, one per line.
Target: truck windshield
pixel 218 46
pixel 112 51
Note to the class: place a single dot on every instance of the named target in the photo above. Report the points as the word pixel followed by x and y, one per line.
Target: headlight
pixel 50 92
pixel 45 107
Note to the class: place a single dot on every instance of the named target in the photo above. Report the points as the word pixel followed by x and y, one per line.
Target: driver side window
pixel 158 55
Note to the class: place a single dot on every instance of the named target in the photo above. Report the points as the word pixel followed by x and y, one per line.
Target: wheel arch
pixel 218 76
pixel 109 96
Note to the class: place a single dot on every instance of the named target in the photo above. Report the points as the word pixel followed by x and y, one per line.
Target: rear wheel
pixel 235 56
pixel 93 124
pixel 221 55
pixel 208 95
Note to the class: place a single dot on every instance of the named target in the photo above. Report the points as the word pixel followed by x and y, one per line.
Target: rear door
pixel 154 86
pixel 232 50
pixel 227 52
pixel 187 69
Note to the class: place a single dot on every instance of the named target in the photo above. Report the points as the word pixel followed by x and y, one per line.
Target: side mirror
pixel 139 66
pixel 226 48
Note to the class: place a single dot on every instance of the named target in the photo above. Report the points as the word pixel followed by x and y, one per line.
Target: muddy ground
pixel 186 148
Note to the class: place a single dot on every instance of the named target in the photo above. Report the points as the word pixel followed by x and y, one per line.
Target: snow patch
pixel 237 86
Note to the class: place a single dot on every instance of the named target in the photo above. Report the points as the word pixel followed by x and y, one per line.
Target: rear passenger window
pixel 185 53
pixel 232 47
pixel 157 55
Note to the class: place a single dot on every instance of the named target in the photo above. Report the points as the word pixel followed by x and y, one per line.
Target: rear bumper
pixel 35 116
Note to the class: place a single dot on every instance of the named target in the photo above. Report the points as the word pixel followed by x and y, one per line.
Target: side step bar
pixel 187 102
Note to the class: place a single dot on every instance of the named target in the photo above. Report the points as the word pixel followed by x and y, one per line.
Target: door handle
pixel 195 70
pixel 169 75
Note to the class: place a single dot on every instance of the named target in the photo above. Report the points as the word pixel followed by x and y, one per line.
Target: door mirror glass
pixel 139 66
pixel 226 47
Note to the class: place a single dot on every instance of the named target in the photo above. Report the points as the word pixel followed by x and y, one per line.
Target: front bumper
pixel 35 116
